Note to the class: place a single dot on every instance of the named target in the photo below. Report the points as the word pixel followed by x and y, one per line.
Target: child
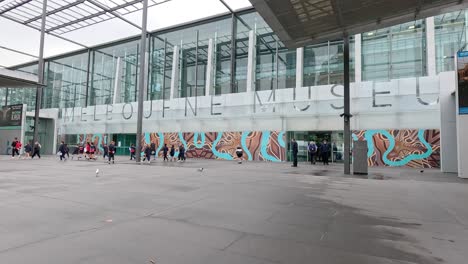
pixel 239 153
pixel 132 151
pixel 172 153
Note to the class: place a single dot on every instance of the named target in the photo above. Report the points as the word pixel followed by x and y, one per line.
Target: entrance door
pixel 335 138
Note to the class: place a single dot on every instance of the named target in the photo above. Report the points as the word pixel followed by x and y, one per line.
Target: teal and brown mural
pixel 402 148
pixel 395 148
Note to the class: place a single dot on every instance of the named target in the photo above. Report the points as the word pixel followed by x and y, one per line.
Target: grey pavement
pixel 62 212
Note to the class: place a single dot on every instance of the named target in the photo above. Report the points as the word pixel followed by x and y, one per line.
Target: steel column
pixel 347 114
pixel 141 83
pixel 40 73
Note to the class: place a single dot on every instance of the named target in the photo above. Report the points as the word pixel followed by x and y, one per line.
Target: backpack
pixel 312 148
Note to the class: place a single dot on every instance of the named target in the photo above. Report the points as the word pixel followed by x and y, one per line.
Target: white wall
pixel 383 105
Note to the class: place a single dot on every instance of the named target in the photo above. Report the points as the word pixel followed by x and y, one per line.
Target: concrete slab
pixel 60 212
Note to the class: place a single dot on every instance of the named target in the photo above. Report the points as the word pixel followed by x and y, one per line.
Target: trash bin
pixel 360 158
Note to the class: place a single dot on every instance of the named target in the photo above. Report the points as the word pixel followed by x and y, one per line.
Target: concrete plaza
pixel 59 212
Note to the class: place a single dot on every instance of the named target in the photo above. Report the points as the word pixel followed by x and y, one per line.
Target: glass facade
pixel 114 68
pixel 323 63
pixel 109 74
pixel 66 82
pixel 450 36
pixel 394 52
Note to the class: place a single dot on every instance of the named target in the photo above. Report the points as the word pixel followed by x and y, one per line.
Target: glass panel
pixel 316 65
pixel 324 63
pixel 394 52
pixel 3 96
pixel 120 60
pixel 193 56
pixel 66 82
pixel 450 36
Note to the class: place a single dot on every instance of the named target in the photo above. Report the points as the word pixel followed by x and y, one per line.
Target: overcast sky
pixel 25 39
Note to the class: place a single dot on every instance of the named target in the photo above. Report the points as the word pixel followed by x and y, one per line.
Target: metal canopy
pixel 64 16
pixel 16 79
pixel 302 22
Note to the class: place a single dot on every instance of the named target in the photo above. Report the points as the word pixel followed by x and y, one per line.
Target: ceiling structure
pixel 65 16
pixel 302 22
pixel 62 17
pixel 16 79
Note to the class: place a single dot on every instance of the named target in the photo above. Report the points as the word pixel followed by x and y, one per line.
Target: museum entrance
pixel 335 138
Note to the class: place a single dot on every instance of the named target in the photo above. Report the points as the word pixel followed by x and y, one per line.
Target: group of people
pixel 149 150
pixel 322 150
pixel 30 150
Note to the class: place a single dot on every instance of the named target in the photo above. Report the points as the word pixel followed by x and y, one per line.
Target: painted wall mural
pixel 262 146
pixel 405 147
pixel 395 148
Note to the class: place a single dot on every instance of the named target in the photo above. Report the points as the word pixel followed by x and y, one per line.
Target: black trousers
pixel 325 157
pixel 36 152
pixel 312 157
pixel 165 157
pixel 295 159
pixel 62 156
pixel 111 156
pixel 14 151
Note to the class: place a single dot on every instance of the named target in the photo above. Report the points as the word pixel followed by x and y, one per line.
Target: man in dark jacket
pixel 111 152
pixel 36 150
pixel 165 150
pixel 153 149
pixel 105 149
pixel 63 151
pixel 325 150
pixel 295 150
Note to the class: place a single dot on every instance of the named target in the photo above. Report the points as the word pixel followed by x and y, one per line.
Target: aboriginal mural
pixel 262 146
pixel 395 148
pixel 405 147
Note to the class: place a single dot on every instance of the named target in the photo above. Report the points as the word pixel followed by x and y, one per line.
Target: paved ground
pixel 57 213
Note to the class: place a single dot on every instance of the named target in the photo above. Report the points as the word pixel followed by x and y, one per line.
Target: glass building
pixel 228 80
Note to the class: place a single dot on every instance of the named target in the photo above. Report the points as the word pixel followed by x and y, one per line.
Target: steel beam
pixel 40 72
pixel 141 81
pixel 14 6
pixel 51 12
pixel 114 13
pixel 347 114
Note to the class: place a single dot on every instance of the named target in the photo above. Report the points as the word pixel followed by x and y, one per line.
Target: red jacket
pixel 18 145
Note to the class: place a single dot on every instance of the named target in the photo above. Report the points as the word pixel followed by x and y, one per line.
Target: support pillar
pixel 40 73
pixel 347 114
pixel 430 47
pixel 141 81
pixel 299 67
pixel 251 62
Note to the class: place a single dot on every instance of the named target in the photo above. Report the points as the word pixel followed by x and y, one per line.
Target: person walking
pixel 132 151
pixel 153 150
pixel 105 149
pixel 14 150
pixel 87 151
pixel 239 153
pixel 18 148
pixel 148 153
pixel 181 153
pixel 325 150
pixel 172 153
pixel 81 151
pixel 28 150
pixel 295 150
pixel 111 152
pixel 62 151
pixel 92 151
pixel 165 150
pixel 36 150
pixel 312 149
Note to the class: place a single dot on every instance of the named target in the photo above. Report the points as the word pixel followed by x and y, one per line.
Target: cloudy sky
pixel 174 12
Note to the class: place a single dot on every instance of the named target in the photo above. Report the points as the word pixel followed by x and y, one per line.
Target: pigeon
pixel 97 172
pixel 200 169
